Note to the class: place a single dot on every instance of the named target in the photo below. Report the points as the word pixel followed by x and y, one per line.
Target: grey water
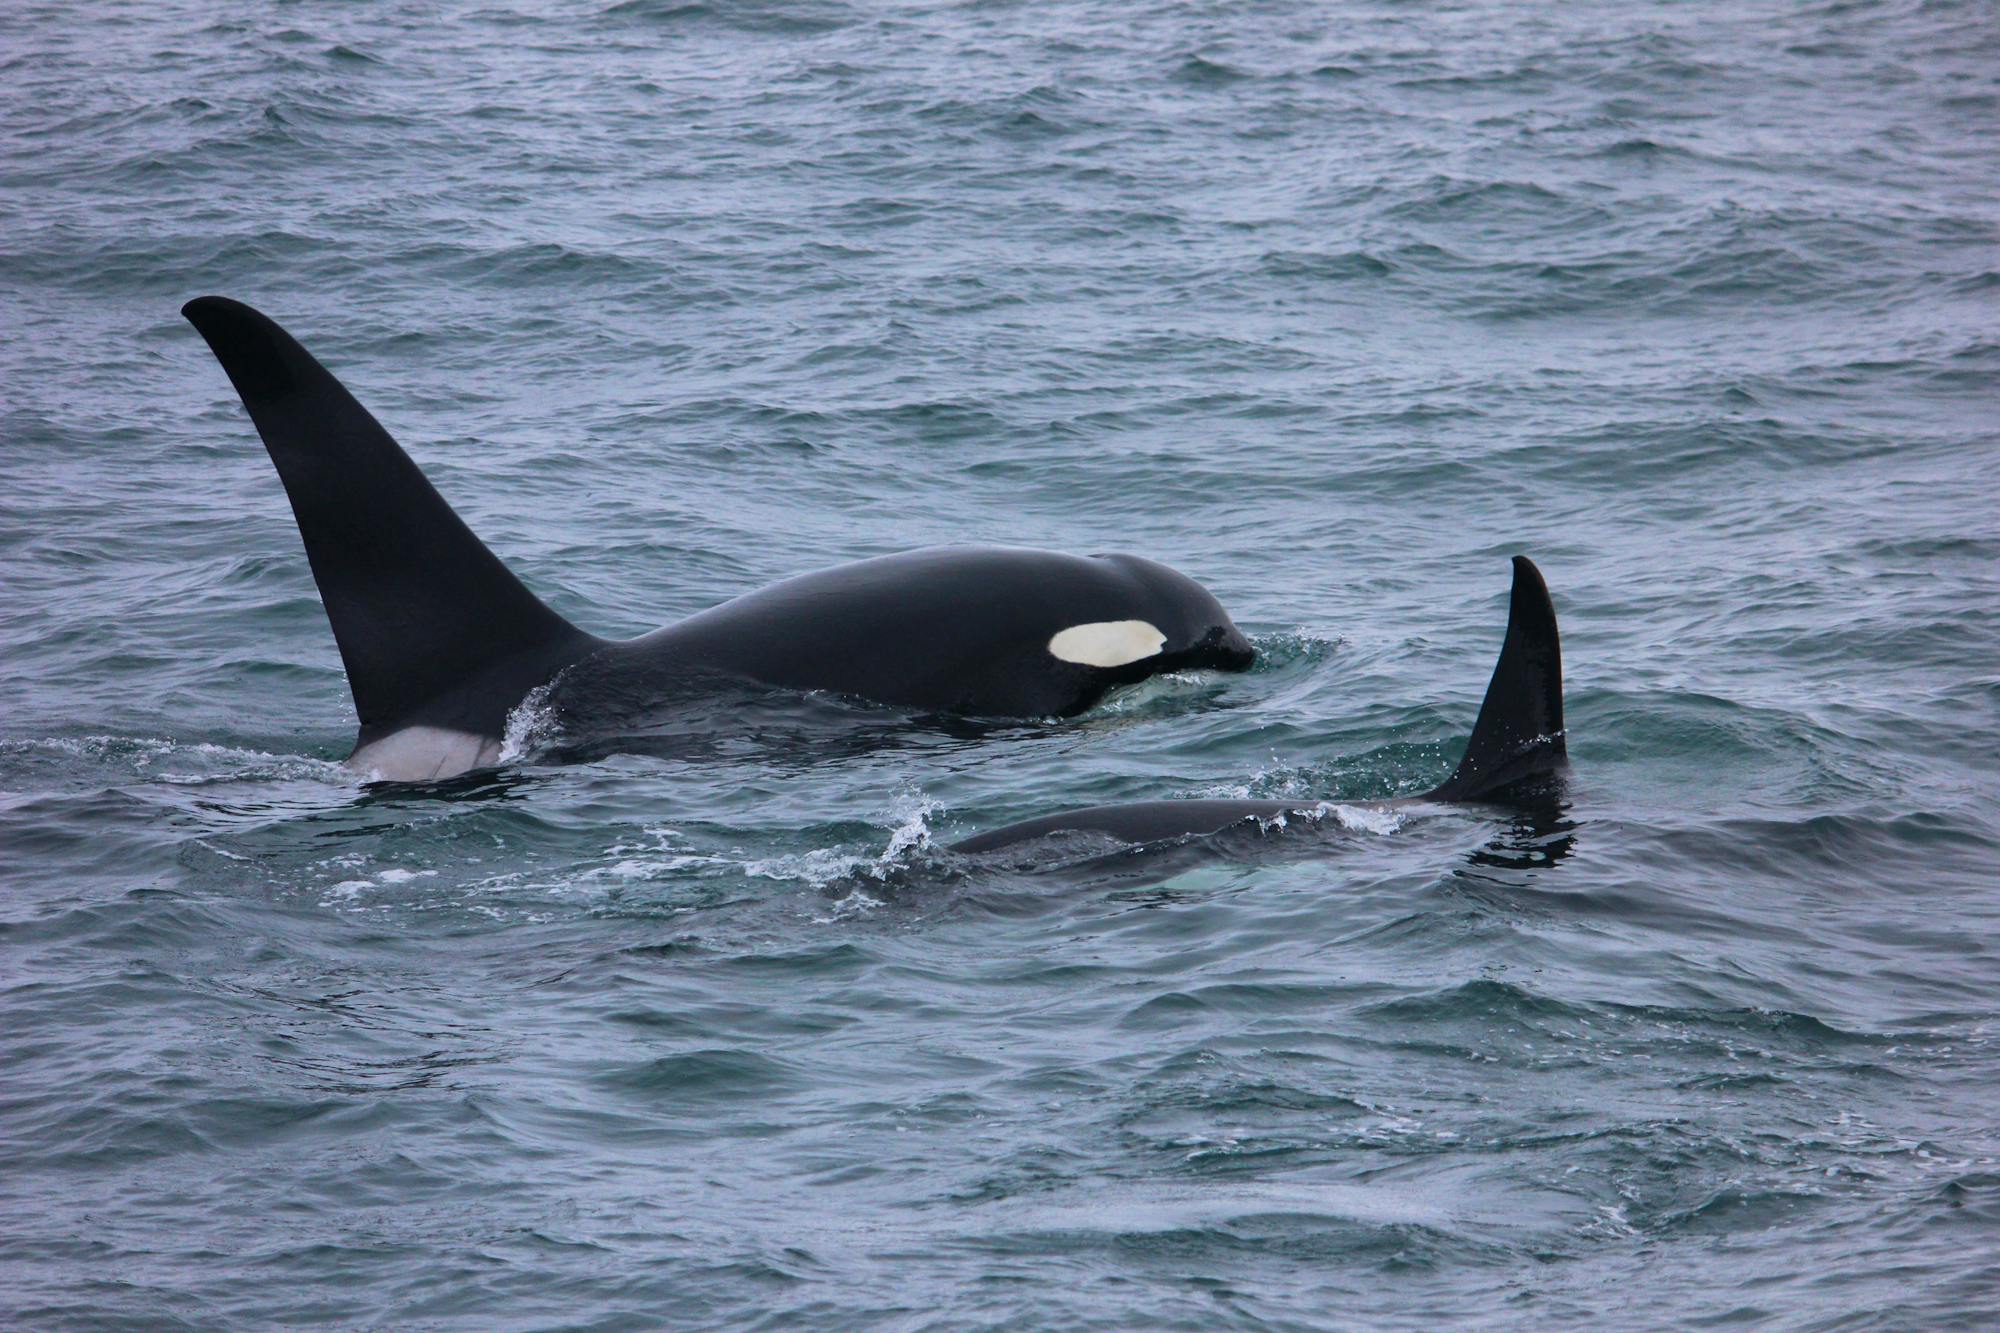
pixel 1334 308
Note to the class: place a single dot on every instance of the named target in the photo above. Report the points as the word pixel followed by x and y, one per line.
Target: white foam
pixel 660 855
pixel 206 761
pixel 1360 818
pixel 818 868
pixel 531 724
pixel 909 836
pixel 856 903
pixel 912 831
pixel 1141 696
pixel 1367 818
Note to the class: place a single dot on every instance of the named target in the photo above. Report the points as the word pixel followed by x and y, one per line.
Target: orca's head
pixel 1180 626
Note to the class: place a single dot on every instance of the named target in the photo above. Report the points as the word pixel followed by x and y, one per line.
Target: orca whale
pixel 441 641
pixel 1515 756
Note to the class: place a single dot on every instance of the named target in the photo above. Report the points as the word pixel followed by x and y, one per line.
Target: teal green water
pixel 1334 309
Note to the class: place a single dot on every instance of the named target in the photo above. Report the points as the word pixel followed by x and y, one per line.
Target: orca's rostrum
pixel 441 641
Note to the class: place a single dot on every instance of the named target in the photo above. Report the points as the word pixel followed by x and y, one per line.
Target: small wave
pixel 825 867
pixel 660 852
pixel 1330 267
pixel 1486 1002
pixel 1444 198
pixel 1044 110
pixel 1293 647
pixel 1382 773
pixel 1151 693
pixel 1154 1208
pixel 1203 72
pixel 1737 1208
pixel 718 1074
pixel 392 876
pixel 1641 148
pixel 741 15
pixel 185 763
pixel 551 263
pixel 1972 1199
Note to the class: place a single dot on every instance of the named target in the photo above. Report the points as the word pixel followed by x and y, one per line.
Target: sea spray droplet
pixel 531 725
pixel 909 839
pixel 911 833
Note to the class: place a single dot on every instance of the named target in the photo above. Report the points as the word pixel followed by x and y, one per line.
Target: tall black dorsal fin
pixel 1518 738
pixel 420 608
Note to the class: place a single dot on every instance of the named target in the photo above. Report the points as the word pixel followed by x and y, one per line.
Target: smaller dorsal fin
pixel 1518 739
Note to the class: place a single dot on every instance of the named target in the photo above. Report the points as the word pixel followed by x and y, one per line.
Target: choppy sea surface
pixel 1334 308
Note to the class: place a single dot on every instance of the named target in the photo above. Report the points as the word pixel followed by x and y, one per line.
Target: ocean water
pixel 1334 308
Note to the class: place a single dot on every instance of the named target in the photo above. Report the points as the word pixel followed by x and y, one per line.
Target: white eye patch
pixel 1107 643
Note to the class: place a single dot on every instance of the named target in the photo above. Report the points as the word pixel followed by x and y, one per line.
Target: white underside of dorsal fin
pixel 1107 643
pixel 423 754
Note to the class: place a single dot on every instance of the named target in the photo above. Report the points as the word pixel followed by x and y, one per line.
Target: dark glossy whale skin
pixel 437 633
pixel 951 629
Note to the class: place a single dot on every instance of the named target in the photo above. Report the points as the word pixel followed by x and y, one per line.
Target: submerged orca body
pixel 441 642
pixel 1516 751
